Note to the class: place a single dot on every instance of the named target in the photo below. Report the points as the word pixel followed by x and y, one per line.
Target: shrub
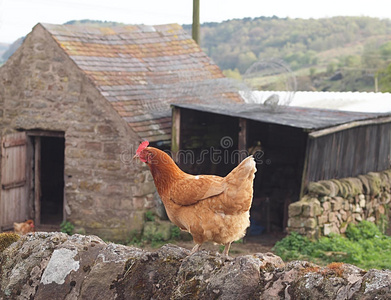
pixel 364 246
pixel 149 216
pixel 67 227
pixel 175 232
pixel 294 246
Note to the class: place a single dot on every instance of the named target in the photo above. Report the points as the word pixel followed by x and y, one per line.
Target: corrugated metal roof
pixel 141 69
pixel 310 119
pixel 349 101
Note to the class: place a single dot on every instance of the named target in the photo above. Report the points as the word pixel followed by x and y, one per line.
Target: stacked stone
pixel 330 205
pixel 105 192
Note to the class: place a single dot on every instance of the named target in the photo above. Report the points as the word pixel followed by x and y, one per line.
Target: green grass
pixel 67 227
pixel 364 246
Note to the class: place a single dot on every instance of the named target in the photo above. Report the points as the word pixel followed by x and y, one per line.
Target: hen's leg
pixel 226 249
pixel 195 249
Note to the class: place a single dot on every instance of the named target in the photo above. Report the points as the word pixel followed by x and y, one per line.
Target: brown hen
pixel 210 208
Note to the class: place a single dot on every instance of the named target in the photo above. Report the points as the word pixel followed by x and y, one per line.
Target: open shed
pixel 292 147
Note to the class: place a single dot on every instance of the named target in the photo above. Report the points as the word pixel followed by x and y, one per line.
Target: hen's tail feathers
pixel 240 186
pixel 245 170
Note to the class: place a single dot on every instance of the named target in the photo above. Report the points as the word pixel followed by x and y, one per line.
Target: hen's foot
pixel 195 249
pixel 226 250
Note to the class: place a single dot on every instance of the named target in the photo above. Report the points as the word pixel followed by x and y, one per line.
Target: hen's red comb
pixel 142 146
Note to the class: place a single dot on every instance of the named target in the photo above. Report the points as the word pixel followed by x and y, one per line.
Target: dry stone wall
pixel 330 205
pixel 57 266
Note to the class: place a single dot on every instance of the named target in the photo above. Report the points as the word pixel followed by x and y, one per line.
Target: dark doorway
pixel 280 168
pixel 48 177
pixel 52 179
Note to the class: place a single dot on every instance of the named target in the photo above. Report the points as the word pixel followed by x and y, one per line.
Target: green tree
pixel 235 74
pixel 385 50
pixel 384 76
pixel 352 61
pixel 331 67
pixel 246 60
pixel 371 58
pixel 312 72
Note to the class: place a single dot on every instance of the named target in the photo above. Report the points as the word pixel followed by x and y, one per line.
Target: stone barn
pixel 75 102
pixel 298 152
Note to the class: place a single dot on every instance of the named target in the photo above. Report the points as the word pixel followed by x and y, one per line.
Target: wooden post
pixel 30 176
pixel 304 180
pixel 242 140
pixel 37 181
pixel 176 132
pixel 195 29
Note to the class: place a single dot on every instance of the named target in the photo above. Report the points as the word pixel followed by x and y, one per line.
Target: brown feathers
pixel 211 208
pixel 25 227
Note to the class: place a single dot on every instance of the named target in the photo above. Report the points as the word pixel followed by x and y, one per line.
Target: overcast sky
pixel 17 17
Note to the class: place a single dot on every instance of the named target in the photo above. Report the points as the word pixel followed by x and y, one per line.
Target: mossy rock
pixel 385 180
pixel 388 174
pixel 318 188
pixel 332 186
pixel 345 189
pixel 365 184
pixel 375 183
pixel 6 239
pixel 354 186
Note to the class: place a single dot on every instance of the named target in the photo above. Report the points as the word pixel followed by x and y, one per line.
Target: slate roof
pixel 308 119
pixel 141 69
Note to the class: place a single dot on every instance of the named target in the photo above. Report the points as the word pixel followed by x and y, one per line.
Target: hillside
pixel 338 54
pixel 330 54
pixel 3 48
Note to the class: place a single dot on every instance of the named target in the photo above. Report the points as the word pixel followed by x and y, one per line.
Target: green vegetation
pixel 154 239
pixel 155 233
pixel 385 78
pixel 149 216
pixel 364 246
pixel 67 227
pixel 355 47
pixel 175 232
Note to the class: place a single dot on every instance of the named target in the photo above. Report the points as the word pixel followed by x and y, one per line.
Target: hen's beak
pixel 135 156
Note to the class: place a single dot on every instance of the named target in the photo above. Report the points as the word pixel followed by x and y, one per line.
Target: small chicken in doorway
pixel 24 227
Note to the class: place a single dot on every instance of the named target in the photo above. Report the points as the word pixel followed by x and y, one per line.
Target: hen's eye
pixel 149 157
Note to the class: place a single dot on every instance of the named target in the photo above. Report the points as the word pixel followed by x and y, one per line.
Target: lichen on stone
pixel 7 238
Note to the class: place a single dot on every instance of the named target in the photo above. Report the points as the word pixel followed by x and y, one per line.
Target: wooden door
pixel 14 186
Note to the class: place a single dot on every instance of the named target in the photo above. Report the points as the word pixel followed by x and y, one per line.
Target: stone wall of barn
pixel 106 193
pixel 330 205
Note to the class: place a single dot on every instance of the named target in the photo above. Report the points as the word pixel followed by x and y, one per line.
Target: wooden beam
pixel 176 132
pixel 242 140
pixel 322 132
pixel 59 134
pixel 30 176
pixel 37 181
pixel 12 185
pixel 195 28
pixel 14 143
pixel 305 171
